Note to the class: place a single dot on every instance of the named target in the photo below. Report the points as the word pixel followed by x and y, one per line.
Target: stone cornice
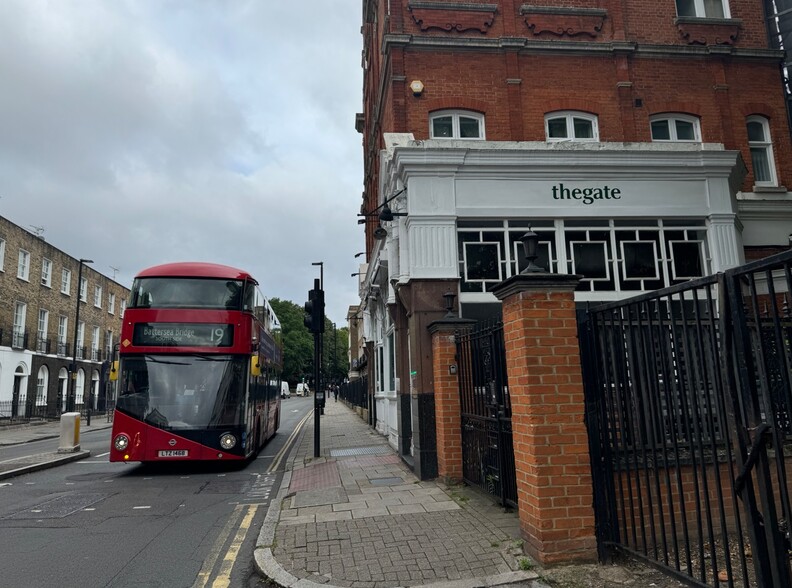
pixel 708 31
pixel 543 281
pixel 557 46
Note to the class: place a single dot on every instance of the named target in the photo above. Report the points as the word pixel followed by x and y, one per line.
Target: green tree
pixel 297 341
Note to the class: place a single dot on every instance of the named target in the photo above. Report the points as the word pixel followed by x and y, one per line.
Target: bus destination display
pixel 183 335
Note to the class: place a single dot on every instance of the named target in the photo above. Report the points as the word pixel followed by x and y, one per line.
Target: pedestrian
pixel 335 392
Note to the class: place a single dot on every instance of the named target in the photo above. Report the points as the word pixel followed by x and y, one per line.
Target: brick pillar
pixel 551 455
pixel 448 409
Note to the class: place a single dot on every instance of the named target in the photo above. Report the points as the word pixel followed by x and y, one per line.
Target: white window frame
pixel 700 9
pixel 41 386
pixel 2 255
pixel 570 116
pixel 455 116
pixel 95 341
pixel 672 117
pixel 111 303
pixel 123 308
pixel 98 296
pixel 83 290
pixel 66 282
pixel 23 265
pixel 80 339
pixel 20 317
pixel 63 329
pixel 43 324
pixel 46 272
pixel 767 145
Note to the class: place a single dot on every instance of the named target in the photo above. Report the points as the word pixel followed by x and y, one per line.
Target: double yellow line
pixel 243 520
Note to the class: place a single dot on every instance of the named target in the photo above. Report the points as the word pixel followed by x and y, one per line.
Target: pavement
pixel 26 433
pixel 358 517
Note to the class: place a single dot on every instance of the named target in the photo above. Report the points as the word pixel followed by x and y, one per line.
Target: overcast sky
pixel 140 132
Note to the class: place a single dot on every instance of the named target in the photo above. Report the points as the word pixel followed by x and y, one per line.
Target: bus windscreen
pixel 183 392
pixel 209 293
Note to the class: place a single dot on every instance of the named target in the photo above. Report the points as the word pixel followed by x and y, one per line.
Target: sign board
pixel 183 335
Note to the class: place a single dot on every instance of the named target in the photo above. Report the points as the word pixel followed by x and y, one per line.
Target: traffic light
pixel 314 310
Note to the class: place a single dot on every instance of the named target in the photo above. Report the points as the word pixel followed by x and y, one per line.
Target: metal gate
pixel 688 403
pixel 487 447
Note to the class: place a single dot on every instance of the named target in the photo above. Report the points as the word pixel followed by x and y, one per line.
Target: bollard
pixel 69 432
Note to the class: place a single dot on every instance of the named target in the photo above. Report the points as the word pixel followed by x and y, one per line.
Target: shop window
pixel 482 262
pixel 571 126
pixel 703 8
pixel 675 127
pixel 761 151
pixel 456 124
pixel 687 260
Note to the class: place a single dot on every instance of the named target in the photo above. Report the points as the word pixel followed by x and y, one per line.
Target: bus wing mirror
pixel 114 371
pixel 255 365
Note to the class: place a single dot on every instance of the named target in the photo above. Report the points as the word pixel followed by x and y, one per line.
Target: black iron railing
pixel 355 392
pixel 688 408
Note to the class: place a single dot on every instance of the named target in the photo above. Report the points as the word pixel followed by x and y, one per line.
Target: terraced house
pixel 40 332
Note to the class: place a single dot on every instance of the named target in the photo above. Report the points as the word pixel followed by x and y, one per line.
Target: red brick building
pixel 647 143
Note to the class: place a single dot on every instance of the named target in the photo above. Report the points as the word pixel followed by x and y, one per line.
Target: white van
pixel 285 392
pixel 302 389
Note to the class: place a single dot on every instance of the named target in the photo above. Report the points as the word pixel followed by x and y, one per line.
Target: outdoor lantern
pixel 530 242
pixel 449 304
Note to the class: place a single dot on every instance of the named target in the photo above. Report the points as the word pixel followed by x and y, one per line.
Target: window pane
pixel 713 8
pixel 660 131
pixel 482 261
pixel 686 7
pixel 756 131
pixel 761 165
pixel 468 127
pixel 687 260
pixel 685 131
pixel 639 261
pixel 442 127
pixel 590 260
pixel 556 128
pixel 583 128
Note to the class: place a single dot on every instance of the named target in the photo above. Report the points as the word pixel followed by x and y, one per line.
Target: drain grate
pixel 376 450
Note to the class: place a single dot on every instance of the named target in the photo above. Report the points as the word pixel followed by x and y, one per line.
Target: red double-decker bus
pixel 200 359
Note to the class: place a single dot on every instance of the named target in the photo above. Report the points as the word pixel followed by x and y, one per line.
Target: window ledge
pixel 708 31
pixel 453 16
pixel 769 189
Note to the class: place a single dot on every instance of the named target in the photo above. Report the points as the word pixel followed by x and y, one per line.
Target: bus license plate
pixel 172 453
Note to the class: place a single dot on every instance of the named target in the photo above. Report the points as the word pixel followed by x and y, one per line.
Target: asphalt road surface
pixel 93 523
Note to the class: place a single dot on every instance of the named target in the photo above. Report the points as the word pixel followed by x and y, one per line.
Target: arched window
pixel 42 382
pixel 456 124
pixel 571 126
pixel 761 151
pixel 675 127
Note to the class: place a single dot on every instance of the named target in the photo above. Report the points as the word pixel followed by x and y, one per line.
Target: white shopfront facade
pixel 628 217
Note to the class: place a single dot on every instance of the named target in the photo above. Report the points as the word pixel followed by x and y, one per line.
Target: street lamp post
pixel 70 404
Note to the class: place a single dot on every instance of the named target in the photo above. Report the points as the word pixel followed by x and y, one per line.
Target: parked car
pixel 302 389
pixel 285 392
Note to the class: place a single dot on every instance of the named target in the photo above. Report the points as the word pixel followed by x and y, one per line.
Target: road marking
pixel 103 454
pixel 5 484
pixel 286 446
pixel 223 579
pixel 214 553
pixel 139 507
pixel 87 509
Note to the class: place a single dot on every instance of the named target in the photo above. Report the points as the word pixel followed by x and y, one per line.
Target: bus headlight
pixel 227 441
pixel 121 442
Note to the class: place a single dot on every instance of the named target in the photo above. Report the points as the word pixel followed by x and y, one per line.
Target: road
pixel 93 523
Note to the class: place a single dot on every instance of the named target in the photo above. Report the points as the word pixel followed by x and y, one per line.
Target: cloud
pixel 143 132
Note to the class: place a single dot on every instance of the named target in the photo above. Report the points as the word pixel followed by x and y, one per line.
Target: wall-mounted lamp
pixel 358 274
pixel 417 87
pixel 449 304
pixel 387 215
pixel 380 233
pixel 361 253
pixel 530 242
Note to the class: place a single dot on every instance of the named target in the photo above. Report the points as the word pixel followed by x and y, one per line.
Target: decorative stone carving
pixel 560 21
pixel 453 16
pixel 709 31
